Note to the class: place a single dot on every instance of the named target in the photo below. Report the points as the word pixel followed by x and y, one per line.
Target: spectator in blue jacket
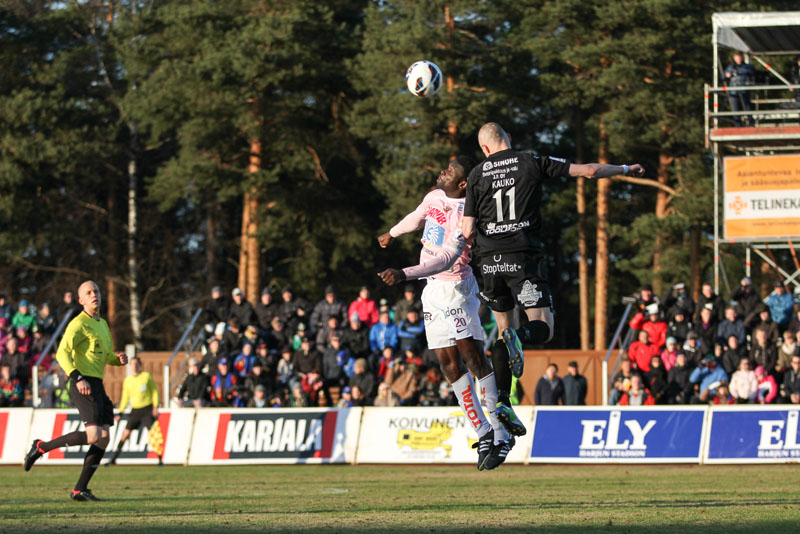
pixel 411 332
pixel 780 304
pixel 383 334
pixel 709 376
pixel 731 326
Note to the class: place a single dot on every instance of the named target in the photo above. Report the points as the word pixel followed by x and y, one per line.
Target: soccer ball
pixel 424 78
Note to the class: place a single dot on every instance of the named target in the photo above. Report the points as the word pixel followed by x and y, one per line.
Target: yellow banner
pixel 762 197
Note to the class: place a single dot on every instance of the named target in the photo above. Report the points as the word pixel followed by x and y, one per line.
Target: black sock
pixel 118 451
pixel 67 440
pixel 502 372
pixel 90 464
pixel 533 333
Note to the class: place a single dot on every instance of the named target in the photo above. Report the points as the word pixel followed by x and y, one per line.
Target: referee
pixel 143 394
pixel 502 210
pixel 83 353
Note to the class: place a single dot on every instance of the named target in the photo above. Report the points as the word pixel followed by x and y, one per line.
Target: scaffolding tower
pixel 771 127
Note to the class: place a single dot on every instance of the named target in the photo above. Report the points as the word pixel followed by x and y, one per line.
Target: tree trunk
pixel 244 248
pixel 602 255
pixel 452 125
pixel 112 257
pixel 253 271
pixel 662 202
pixel 583 248
pixel 695 235
pixel 211 240
pixel 133 283
pixel 768 276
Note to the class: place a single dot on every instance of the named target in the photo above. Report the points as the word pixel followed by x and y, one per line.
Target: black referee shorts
pixel 140 417
pixel 95 408
pixel 516 277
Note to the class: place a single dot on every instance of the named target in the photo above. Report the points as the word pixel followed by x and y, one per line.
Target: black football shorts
pixel 140 417
pixel 95 408
pixel 515 278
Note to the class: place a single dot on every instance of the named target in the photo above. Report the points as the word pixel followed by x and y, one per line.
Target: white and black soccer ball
pixel 424 78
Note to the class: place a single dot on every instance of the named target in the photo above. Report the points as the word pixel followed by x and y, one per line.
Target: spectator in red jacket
pixel 642 351
pixel 767 387
pixel 638 395
pixel 652 324
pixel 364 308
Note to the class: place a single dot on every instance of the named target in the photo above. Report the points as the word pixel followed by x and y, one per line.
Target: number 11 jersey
pixel 504 194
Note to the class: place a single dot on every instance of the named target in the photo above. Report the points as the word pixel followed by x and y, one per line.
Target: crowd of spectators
pixel 709 351
pixel 25 331
pixel 285 351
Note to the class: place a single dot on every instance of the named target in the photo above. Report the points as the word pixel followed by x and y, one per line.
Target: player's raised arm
pixel 444 259
pixel 410 223
pixel 602 170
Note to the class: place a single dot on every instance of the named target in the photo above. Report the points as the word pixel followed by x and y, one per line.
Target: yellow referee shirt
pixel 86 346
pixel 140 389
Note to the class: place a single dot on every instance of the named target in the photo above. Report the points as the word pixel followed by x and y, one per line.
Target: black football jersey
pixel 504 194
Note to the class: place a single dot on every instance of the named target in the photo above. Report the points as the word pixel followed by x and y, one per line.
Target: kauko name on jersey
pixel 296 435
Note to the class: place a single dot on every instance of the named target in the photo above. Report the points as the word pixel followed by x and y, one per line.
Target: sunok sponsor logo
pixel 136 446
pixel 604 438
pixel 295 435
pixel 779 437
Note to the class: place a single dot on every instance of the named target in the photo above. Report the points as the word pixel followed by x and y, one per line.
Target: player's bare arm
pixel 122 357
pixel 468 227
pixel 602 170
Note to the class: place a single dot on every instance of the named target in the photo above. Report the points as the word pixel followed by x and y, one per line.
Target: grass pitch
pixel 560 499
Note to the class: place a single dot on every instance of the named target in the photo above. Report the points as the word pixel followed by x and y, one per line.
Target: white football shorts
pixel 450 311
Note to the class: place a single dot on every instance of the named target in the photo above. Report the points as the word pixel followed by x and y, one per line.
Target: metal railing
pixel 775 106
pixel 611 346
pixel 182 343
pixel 36 401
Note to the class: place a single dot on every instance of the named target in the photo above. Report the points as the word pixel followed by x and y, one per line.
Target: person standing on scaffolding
pixel 739 74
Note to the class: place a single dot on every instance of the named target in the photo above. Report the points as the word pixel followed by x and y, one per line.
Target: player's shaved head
pixel 86 286
pixel 493 136
pixel 89 296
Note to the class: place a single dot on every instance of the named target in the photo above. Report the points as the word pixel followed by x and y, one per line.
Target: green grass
pixel 561 499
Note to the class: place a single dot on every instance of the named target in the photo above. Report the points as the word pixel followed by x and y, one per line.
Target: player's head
pixel 492 138
pixel 136 365
pixel 89 297
pixel 453 179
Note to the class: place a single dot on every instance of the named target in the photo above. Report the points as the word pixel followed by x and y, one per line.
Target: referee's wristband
pixel 625 169
pixel 76 376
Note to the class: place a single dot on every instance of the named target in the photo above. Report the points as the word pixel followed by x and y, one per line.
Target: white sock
pixel 464 389
pixel 489 394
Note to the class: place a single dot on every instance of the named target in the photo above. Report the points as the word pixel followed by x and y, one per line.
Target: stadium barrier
pixel 589 434
pixel 425 435
pixel 14 428
pixel 755 434
pixel 653 434
pixel 176 428
pixel 274 436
